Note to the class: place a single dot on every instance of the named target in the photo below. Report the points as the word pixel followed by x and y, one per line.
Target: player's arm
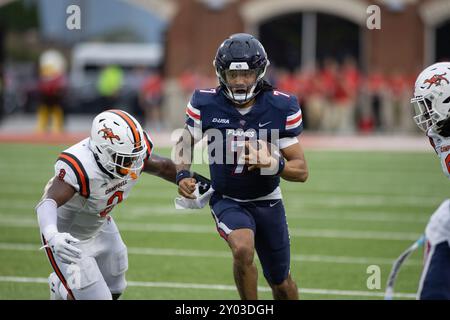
pixel 296 168
pixel 184 149
pixel 57 192
pixel 161 167
pixel 290 164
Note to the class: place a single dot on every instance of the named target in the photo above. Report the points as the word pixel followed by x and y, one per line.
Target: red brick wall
pixel 399 45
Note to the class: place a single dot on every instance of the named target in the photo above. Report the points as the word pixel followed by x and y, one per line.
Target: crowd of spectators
pixel 338 97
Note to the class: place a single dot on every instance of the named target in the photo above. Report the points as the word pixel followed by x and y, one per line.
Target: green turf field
pixel 357 209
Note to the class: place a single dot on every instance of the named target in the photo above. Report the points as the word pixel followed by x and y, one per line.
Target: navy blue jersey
pixel 274 115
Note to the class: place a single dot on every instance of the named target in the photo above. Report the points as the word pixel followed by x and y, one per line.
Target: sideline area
pixel 20 129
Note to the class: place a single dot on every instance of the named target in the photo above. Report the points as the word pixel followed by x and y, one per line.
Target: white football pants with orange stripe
pixel 100 273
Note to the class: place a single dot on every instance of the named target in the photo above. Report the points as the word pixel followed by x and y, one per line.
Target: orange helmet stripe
pixel 131 124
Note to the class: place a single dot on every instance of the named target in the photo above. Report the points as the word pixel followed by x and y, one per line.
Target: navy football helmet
pixel 242 54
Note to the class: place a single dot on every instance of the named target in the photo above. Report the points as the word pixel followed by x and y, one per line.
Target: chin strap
pixel 102 168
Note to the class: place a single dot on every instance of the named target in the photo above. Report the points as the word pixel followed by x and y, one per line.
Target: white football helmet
pixel 118 143
pixel 432 96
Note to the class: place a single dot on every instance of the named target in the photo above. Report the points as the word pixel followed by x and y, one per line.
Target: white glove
pixel 198 203
pixel 61 246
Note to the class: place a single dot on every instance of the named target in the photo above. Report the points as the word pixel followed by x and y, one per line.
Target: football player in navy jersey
pixel 252 132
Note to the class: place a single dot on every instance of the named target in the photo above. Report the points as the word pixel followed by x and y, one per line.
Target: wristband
pixel 281 165
pixel 183 174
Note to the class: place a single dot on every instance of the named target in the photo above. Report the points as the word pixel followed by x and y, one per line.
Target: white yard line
pixel 225 254
pixel 221 287
pixel 207 229
pixel 132 213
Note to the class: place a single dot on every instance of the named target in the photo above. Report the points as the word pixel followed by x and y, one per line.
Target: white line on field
pixel 224 254
pixel 373 216
pixel 294 232
pixel 221 287
pixel 131 213
pixel 322 200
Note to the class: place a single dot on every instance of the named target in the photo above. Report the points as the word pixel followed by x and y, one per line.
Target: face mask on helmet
pixel 127 166
pixel 423 112
pixel 241 84
pixel 122 165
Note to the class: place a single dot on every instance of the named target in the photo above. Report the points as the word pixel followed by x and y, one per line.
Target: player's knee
pixel 286 290
pixel 118 266
pixel 284 286
pixel 242 246
pixel 87 282
pixel 97 291
pixel 278 275
pixel 243 253
pixel 118 286
pixel 84 274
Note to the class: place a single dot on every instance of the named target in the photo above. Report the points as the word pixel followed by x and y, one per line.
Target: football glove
pixel 61 246
pixel 203 183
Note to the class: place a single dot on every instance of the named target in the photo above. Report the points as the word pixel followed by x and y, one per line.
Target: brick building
pixel 298 33
pixel 411 35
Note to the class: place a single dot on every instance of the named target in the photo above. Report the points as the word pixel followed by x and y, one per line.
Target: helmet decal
pixel 108 134
pixel 436 80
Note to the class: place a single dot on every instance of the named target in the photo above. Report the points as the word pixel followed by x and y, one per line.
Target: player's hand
pixel 61 246
pixel 186 188
pixel 258 156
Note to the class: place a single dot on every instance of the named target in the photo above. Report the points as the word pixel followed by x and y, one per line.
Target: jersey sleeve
pixel 193 113
pixel 69 169
pixel 293 120
pixel 149 144
pixel 193 117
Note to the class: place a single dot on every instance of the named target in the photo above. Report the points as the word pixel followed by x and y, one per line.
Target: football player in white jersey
pixel 432 114
pixel 81 240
